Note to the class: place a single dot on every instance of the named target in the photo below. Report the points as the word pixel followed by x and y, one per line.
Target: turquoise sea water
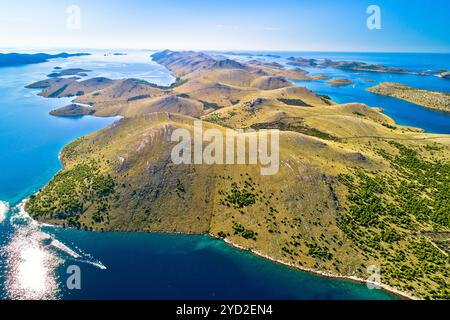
pixel 34 258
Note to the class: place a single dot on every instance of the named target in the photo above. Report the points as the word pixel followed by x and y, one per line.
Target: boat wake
pixel 76 254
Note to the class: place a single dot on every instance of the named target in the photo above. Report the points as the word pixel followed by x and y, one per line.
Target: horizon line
pixel 220 50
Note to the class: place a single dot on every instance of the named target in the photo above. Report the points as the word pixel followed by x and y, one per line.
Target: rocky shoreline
pixel 399 293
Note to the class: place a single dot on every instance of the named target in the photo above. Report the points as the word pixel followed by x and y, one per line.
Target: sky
pixel 275 25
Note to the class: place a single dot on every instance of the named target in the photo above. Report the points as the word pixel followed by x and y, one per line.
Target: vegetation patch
pixel 70 151
pixel 219 119
pixel 295 102
pixel 295 125
pixel 71 193
pixel 180 190
pixel 244 232
pixel 210 105
pixel 178 83
pixel 140 97
pixel 392 209
pixel 56 93
pixel 318 251
pixel 239 197
pixel 326 99
pixel 387 125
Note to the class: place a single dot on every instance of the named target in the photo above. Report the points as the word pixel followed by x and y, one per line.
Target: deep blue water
pixel 34 258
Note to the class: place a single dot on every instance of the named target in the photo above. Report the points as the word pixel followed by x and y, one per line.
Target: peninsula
pixel 429 99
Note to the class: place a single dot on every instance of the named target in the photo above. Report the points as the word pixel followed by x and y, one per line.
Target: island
pixel 353 191
pixel 19 59
pixel 302 62
pixel 361 66
pixel 246 54
pixel 69 72
pixel 339 82
pixel 429 99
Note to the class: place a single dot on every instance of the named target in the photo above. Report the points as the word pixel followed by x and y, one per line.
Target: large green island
pixel 354 190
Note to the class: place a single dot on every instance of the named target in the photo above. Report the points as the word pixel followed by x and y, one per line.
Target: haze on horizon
pixel 285 25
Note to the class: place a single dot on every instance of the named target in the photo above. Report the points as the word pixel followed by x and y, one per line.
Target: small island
pixel 339 82
pixel 73 110
pixel 429 99
pixel 69 72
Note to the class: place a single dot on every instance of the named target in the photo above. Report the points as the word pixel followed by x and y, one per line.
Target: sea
pixel 36 260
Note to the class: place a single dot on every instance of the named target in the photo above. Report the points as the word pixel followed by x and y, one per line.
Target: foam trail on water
pixel 4 208
pixel 79 256
pixel 61 246
pixel 96 264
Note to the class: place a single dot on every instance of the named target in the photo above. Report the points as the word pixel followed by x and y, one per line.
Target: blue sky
pixel 313 25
